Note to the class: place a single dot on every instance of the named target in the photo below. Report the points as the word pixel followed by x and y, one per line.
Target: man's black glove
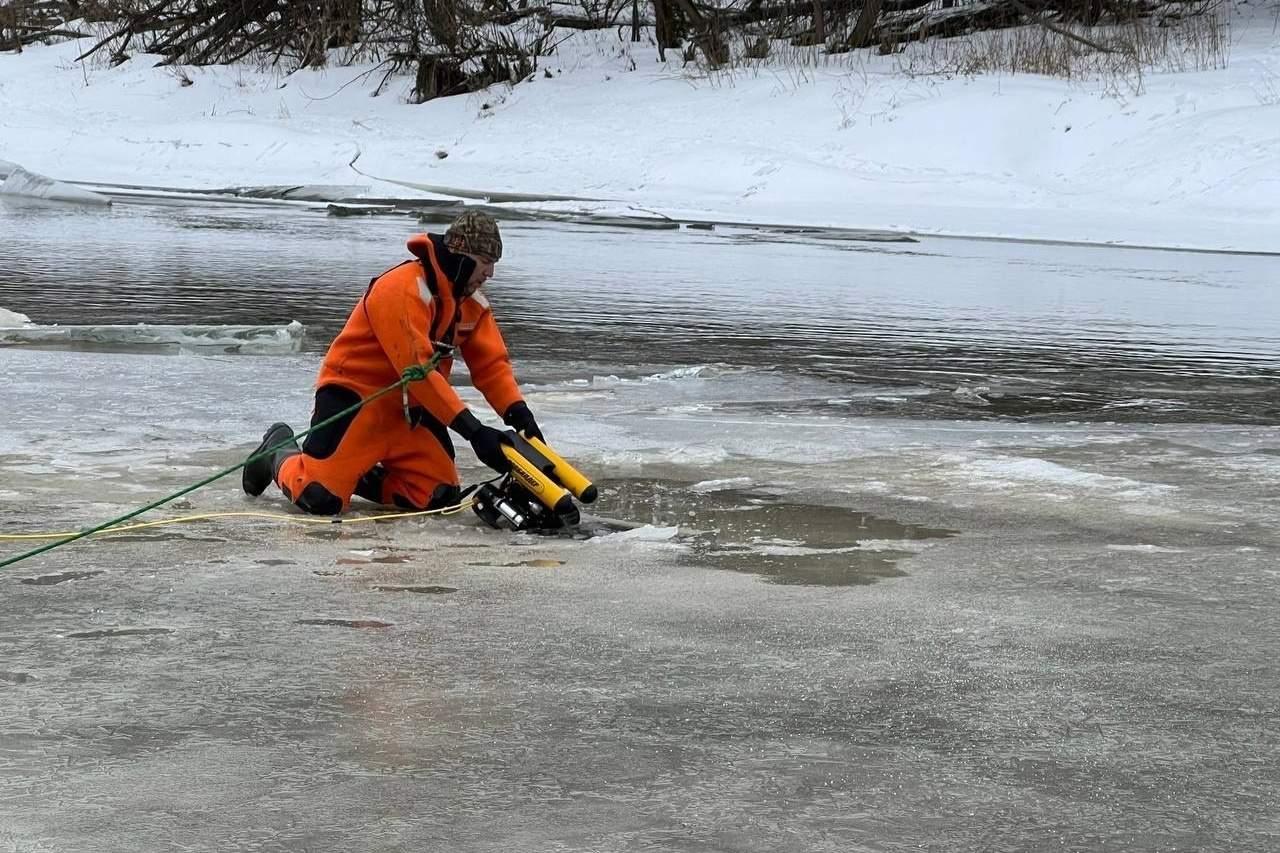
pixel 520 419
pixel 485 440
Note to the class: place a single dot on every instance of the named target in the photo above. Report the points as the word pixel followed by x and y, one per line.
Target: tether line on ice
pixel 412 373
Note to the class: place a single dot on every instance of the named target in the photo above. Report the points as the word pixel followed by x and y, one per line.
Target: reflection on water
pixel 943 328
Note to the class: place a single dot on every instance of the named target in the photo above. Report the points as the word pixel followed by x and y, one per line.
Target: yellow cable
pixel 305 519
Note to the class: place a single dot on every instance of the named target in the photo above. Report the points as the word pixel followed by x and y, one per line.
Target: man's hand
pixel 520 419
pixel 487 443
pixel 485 440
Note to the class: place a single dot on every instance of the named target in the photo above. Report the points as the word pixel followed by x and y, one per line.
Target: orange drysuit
pixel 392 327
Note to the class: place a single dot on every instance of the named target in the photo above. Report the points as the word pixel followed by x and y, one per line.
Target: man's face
pixel 483 272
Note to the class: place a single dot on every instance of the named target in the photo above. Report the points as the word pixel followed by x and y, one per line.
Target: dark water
pixel 937 328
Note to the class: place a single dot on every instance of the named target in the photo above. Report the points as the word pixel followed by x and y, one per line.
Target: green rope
pixel 412 373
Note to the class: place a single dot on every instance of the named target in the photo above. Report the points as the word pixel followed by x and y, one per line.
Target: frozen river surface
pixel 935 545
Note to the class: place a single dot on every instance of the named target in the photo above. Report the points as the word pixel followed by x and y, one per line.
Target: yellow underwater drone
pixel 538 492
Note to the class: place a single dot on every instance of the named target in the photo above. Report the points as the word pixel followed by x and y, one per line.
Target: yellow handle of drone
pixel 570 477
pixel 538 484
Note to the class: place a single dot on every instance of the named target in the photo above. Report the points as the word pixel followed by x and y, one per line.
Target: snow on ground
pixel 1194 160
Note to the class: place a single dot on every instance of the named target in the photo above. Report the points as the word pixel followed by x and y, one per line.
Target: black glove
pixel 520 419
pixel 485 440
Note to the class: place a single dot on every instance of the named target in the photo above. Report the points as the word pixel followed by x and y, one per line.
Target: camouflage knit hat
pixel 475 232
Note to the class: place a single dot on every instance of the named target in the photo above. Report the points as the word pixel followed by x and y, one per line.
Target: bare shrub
pixel 24 22
pixel 1118 53
pixel 453 46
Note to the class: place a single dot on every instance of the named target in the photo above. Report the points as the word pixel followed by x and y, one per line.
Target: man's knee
pixel 442 496
pixel 316 499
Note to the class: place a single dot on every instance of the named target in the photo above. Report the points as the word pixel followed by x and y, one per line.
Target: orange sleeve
pixel 485 353
pixel 401 316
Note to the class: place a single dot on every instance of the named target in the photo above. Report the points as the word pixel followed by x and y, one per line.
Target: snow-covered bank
pixel 1194 161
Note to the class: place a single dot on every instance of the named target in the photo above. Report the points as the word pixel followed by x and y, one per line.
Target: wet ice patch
pixel 646 535
pixel 1253 464
pixel 798 549
pixel 419 590
pixel 612 381
pixel 345 623
pixel 1146 549
pixel 763 532
pixel 1005 472
pixel 696 455
pixel 1155 404
pixel 720 485
pixel 245 340
pixel 104 633
pixel 603 382
pixel 688 372
pixel 61 577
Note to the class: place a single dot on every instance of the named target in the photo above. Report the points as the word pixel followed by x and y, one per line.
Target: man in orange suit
pixel 390 451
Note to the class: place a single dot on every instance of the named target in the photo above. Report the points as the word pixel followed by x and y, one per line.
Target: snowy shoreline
pixel 1193 162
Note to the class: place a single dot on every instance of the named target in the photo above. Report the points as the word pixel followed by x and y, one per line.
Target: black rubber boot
pixel 259 473
pixel 369 486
